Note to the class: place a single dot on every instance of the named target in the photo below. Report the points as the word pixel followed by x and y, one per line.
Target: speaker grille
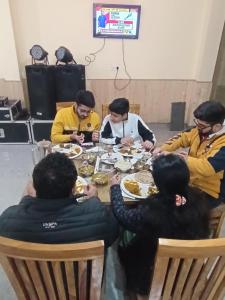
pixel 69 80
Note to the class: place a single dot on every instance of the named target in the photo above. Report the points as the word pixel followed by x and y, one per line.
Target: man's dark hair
pixel 211 112
pixel 119 106
pixel 86 98
pixel 54 176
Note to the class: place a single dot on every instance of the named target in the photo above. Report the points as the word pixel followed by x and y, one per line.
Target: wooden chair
pixel 60 105
pixel 53 272
pixel 134 108
pixel 217 217
pixel 189 270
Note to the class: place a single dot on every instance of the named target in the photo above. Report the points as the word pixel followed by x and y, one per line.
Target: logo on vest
pixel 49 225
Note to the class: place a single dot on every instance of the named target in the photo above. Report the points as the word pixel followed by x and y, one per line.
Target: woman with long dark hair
pixel 177 211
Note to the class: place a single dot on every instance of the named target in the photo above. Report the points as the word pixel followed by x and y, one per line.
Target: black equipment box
pixel 3 101
pixel 40 130
pixel 11 111
pixel 17 132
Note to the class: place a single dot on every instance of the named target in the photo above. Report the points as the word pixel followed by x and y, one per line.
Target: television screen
pixel 116 21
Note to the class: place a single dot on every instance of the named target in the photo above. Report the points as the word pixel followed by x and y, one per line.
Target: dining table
pixel 102 166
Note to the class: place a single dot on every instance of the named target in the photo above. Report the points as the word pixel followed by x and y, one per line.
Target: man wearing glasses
pixel 78 123
pixel 206 156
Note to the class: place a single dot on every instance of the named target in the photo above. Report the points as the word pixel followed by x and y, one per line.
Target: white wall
pixel 179 39
pixel 8 59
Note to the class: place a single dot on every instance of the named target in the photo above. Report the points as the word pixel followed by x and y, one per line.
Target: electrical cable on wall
pixel 125 69
pixel 92 56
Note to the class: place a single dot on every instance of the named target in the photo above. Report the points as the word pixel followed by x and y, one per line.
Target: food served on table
pixel 65 146
pixel 140 165
pixel 79 185
pixel 89 157
pixel 86 170
pixel 74 151
pixel 152 190
pixel 111 158
pixel 144 177
pixel 132 186
pixel 124 150
pixel 123 165
pixel 100 178
pixel 69 150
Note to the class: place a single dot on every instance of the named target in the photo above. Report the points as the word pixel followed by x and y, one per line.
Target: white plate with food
pixel 70 150
pixel 111 158
pixel 135 150
pixel 133 186
pixel 80 185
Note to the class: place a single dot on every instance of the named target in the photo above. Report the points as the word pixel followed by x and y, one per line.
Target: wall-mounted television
pixel 116 21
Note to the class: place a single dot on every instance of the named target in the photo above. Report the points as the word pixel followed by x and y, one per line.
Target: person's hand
pixel 29 190
pixel 76 137
pixel 182 154
pixel 157 151
pixel 115 179
pixel 147 145
pixel 95 136
pixel 127 141
pixel 90 190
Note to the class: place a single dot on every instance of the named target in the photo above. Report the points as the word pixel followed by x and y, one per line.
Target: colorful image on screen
pixel 116 21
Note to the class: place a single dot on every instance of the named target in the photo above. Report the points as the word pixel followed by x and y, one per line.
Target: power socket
pixel 115 69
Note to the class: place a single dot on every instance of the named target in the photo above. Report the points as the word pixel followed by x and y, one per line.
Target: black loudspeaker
pixel 69 80
pixel 177 116
pixel 41 90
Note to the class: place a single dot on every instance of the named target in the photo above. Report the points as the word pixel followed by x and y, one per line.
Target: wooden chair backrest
pixel 189 270
pixel 53 272
pixel 134 108
pixel 60 105
pixel 217 217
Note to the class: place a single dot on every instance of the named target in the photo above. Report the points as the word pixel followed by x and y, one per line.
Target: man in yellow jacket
pixel 206 156
pixel 78 123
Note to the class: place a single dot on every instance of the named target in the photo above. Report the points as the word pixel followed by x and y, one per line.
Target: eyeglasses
pixel 201 126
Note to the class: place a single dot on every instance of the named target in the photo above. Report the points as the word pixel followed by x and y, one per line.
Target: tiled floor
pixel 16 168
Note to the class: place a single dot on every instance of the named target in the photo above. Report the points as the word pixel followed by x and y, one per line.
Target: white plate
pixel 111 159
pixel 143 187
pixel 80 181
pixel 136 145
pixel 68 151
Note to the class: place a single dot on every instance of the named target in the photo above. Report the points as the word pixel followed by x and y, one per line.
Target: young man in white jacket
pixel 122 127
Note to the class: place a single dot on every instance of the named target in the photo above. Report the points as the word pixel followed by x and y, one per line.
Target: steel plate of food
pixel 100 178
pixel 86 170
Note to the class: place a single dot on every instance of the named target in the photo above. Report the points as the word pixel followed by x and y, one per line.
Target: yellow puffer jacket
pixel 206 159
pixel 67 121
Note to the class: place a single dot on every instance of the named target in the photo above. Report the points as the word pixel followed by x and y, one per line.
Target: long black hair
pixel 171 175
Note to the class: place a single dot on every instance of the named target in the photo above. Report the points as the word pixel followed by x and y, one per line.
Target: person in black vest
pixel 50 213
pixel 177 211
